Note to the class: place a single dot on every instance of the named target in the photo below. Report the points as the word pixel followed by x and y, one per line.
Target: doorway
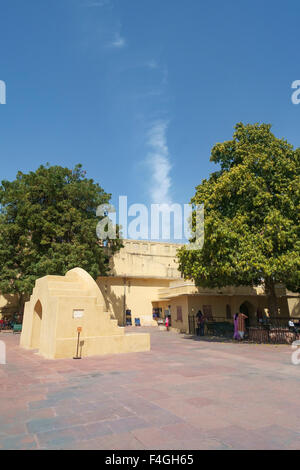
pixel 248 309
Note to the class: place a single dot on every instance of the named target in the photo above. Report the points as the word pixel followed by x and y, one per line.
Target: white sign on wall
pixel 78 313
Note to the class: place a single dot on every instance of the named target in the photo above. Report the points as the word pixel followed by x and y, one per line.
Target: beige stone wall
pixel 146 259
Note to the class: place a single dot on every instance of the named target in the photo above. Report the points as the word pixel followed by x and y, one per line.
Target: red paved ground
pixel 184 394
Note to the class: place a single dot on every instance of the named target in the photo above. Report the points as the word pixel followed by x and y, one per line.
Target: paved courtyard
pixel 184 394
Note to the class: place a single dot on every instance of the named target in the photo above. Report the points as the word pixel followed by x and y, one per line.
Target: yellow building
pixel 144 278
pixel 184 300
pixel 138 272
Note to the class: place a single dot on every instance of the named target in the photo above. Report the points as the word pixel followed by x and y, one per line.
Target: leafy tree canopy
pixel 252 208
pixel 48 226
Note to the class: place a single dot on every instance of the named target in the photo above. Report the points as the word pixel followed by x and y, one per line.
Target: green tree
pixel 251 215
pixel 48 226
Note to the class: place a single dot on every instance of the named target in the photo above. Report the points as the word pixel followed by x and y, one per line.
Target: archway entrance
pixel 249 310
pixel 36 325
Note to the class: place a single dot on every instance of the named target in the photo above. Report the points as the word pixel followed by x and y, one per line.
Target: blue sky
pixel 140 90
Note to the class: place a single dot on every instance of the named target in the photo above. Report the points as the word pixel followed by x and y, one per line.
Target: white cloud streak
pixel 152 64
pixel 118 42
pixel 159 161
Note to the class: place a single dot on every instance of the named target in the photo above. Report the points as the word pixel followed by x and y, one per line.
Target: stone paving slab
pixel 185 393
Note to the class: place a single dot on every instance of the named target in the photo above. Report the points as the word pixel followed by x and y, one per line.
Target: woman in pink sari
pixel 236 326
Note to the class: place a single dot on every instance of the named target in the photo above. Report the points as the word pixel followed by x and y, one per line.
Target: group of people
pixel 5 324
pixel 7 321
pixel 238 321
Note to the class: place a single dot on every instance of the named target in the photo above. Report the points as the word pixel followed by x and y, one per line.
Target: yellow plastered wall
pixel 182 302
pixel 133 294
pixel 146 259
pixel 218 305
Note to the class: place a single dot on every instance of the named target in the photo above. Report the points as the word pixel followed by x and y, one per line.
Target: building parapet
pixel 182 287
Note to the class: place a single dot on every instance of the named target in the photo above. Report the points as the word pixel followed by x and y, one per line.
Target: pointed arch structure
pixel 59 305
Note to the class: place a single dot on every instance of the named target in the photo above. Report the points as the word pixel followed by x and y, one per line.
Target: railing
pixel 214 327
pixel 274 330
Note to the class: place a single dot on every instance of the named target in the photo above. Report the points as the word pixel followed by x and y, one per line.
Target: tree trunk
pixel 272 298
pixel 21 303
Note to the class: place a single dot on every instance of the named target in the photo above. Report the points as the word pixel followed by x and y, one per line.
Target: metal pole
pixel 77 352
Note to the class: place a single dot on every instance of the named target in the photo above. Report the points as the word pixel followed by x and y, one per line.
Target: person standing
pixel 202 321
pixel 259 316
pixel 292 327
pixel 236 325
pixel 199 317
pixel 241 324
